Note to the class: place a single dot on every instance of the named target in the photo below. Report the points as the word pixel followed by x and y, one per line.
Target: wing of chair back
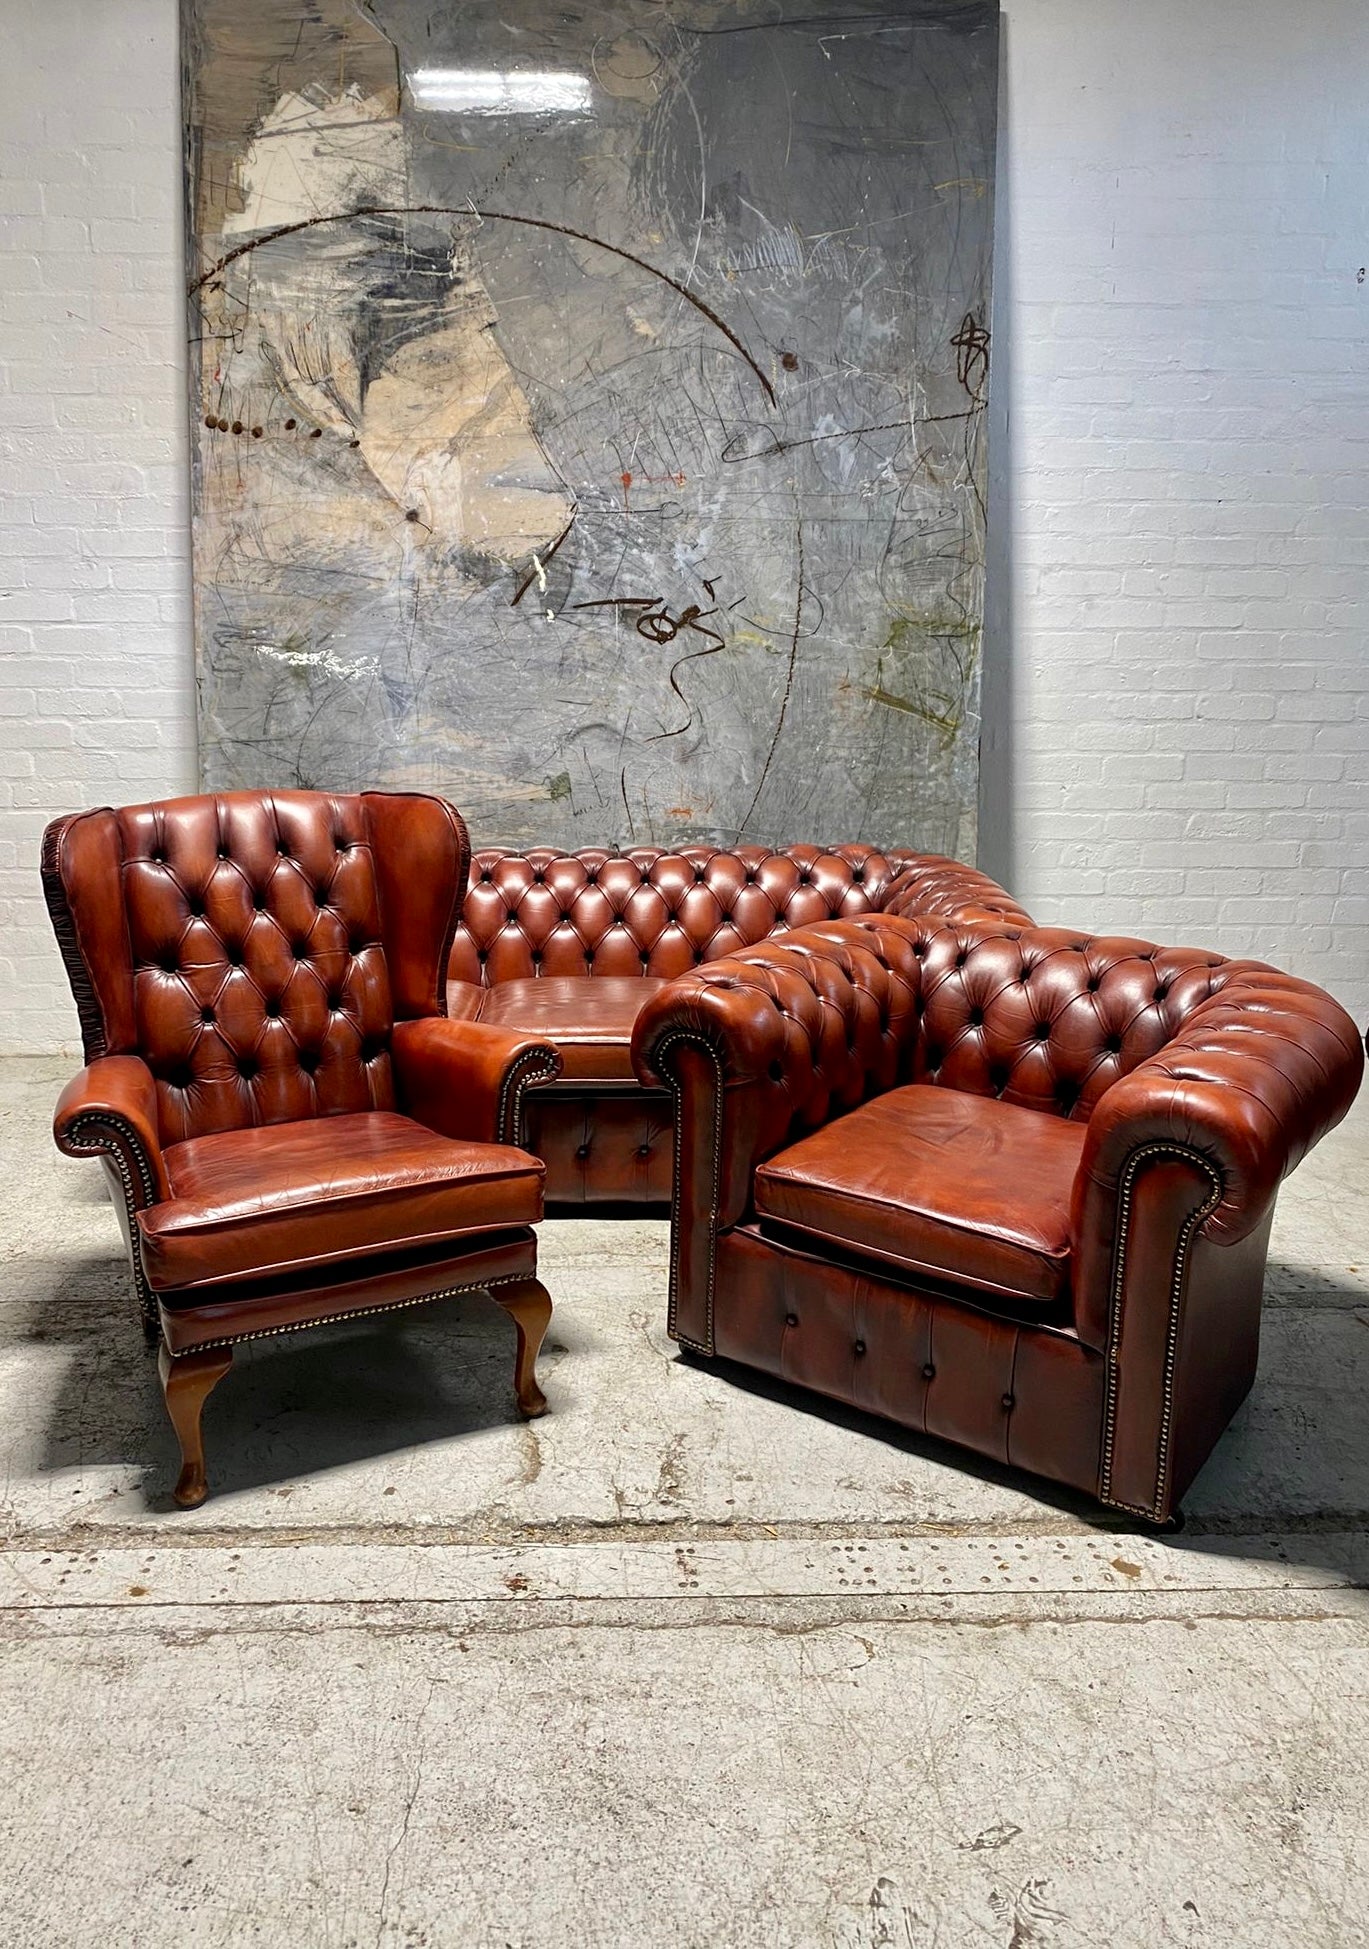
pixel 1202 1083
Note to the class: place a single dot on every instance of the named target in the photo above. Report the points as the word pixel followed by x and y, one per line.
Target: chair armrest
pixel 1257 1074
pixel 954 891
pixel 110 1110
pixel 468 1079
pixel 755 1049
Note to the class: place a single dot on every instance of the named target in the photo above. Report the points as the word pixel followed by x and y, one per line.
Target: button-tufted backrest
pixel 253 948
pixel 1045 1017
pixel 836 1013
pixel 652 912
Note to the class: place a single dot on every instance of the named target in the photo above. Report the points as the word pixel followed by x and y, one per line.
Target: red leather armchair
pixel 1009 1186
pixel 293 1129
pixel 571 945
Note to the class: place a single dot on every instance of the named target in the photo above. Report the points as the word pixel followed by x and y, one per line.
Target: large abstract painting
pixel 589 408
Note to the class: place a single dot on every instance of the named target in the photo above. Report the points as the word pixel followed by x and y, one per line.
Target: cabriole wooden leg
pixel 187 1380
pixel 530 1304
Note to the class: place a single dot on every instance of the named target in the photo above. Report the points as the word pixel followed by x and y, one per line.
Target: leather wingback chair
pixel 293 1129
pixel 1009 1186
pixel 571 945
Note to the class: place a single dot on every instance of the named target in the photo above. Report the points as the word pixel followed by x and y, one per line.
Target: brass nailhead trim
pixel 671 1039
pixel 88 1135
pixel 528 1070
pixel 358 1313
pixel 1176 1291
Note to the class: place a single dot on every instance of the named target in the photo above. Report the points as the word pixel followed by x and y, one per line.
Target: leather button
pixel 582 1152
pixel 644 1150
pixel 791 1319
pixel 929 1372
pixel 1009 1402
pixel 860 1347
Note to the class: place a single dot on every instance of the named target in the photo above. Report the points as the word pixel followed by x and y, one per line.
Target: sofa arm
pixel 954 891
pixel 1257 1074
pixel 109 1110
pixel 468 1079
pixel 755 1049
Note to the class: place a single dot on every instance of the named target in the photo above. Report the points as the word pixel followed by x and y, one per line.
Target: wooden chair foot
pixel 187 1380
pixel 529 1303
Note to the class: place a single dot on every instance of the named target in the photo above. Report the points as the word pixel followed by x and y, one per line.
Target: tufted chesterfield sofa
pixel 570 946
pixel 1010 1186
pixel 293 1130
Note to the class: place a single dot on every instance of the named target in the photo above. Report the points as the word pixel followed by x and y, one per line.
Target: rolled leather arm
pixel 110 1110
pixel 1257 1075
pixel 468 1079
pixel 935 885
pixel 774 1040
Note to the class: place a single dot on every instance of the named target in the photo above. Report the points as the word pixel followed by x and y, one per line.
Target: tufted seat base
pixel 282 1199
pixel 941 1185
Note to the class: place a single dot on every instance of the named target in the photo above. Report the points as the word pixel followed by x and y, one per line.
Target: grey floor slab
pixel 550 1783
pixel 686 1662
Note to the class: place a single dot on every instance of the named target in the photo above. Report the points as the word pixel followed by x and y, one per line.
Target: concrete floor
pixel 683 1663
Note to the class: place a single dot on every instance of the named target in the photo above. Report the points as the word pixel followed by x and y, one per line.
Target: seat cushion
pixel 588 1017
pixel 960 1188
pixel 283 1197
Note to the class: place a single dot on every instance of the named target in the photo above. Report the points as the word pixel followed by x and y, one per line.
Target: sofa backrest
pixel 1048 1018
pixel 1042 1017
pixel 649 911
pixel 256 948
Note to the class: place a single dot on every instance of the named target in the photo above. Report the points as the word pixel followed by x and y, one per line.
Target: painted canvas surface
pixel 589 409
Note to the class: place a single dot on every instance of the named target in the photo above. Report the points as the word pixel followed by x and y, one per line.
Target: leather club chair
pixel 293 1129
pixel 570 946
pixel 1008 1186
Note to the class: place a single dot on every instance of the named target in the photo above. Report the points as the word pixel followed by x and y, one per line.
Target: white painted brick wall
pixel 1179 741
pixel 1177 680
pixel 96 684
